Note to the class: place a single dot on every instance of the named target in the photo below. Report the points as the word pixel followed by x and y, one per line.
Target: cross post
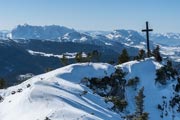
pixel 147 30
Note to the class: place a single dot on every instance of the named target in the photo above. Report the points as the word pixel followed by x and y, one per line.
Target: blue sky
pixel 163 15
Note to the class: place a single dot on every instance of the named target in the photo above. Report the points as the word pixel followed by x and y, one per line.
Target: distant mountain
pixel 63 34
pixel 15 60
pixel 39 32
pixel 57 40
pixel 168 39
pixel 128 37
pixel 4 34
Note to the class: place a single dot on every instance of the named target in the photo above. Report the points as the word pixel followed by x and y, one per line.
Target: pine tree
pixel 139 114
pixel 96 55
pixel 141 54
pixel 2 83
pixel 157 54
pixel 166 73
pixel 79 57
pixel 140 102
pixel 124 57
pixel 139 99
pixel 89 57
pixel 64 60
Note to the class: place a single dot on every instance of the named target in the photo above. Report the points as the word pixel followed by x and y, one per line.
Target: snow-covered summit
pixel 58 95
pixel 50 32
pixel 128 37
pixel 155 94
pixel 168 39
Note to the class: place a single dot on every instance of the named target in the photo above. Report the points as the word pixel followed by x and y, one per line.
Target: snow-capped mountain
pixel 168 39
pixel 61 94
pixel 128 37
pixel 75 37
pixel 39 32
pixel 56 40
pixel 5 34
pixel 59 33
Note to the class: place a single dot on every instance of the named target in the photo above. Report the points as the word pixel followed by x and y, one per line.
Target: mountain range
pixel 58 40
pixel 40 87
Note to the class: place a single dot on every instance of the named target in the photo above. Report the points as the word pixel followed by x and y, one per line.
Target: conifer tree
pixel 79 57
pixel 157 54
pixel 95 55
pixel 139 114
pixel 124 57
pixel 140 102
pixel 141 54
pixel 2 83
pixel 165 73
pixel 64 60
pixel 139 99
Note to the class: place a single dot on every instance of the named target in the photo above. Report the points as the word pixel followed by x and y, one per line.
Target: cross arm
pixel 145 30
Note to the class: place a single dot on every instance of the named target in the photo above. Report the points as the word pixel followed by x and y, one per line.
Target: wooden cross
pixel 147 30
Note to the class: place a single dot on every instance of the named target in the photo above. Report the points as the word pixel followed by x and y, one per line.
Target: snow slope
pixel 58 95
pixel 154 93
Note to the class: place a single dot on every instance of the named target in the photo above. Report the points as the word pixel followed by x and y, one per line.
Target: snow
pixel 154 93
pixel 109 44
pixel 58 95
pixel 172 52
pixel 83 39
pixel 68 55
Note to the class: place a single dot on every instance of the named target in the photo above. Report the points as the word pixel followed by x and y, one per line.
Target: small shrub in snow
pixel 13 92
pixel 47 118
pixel 28 85
pixel 1 98
pixel 92 113
pixel 133 82
pixel 160 107
pixel 84 93
pixel 175 101
pixel 19 90
pixel 177 87
pixel 119 104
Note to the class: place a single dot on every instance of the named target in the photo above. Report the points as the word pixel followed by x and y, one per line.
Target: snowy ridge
pixel 154 93
pixel 58 95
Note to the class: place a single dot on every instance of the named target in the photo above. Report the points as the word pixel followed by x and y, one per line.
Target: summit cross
pixel 147 30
